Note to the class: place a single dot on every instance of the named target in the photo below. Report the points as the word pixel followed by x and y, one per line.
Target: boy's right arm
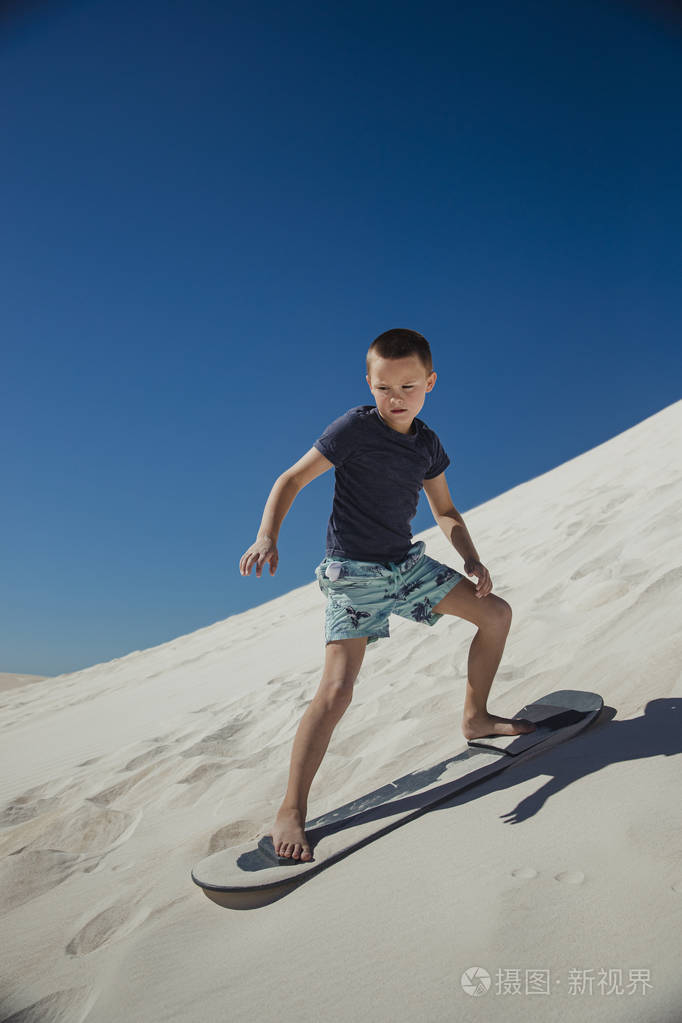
pixel 281 498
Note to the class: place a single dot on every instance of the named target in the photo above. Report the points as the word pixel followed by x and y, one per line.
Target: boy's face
pixel 399 384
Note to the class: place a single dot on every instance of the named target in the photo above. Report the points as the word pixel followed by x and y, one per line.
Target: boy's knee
pixel 335 694
pixel 501 612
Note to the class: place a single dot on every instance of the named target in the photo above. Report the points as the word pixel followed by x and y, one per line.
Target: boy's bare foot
pixel 288 836
pixel 485 726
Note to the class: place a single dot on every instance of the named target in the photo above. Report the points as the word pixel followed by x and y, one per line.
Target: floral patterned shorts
pixel 361 595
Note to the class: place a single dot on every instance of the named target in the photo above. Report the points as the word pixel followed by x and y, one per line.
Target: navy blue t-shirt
pixel 379 474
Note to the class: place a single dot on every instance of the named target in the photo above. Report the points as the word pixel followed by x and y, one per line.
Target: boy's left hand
pixel 484 584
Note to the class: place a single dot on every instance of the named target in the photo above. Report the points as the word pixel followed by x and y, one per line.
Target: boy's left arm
pixel 451 522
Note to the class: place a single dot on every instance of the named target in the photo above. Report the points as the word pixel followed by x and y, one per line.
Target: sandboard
pixel 254 867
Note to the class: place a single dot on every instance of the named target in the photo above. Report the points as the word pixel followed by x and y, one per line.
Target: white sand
pixel 116 779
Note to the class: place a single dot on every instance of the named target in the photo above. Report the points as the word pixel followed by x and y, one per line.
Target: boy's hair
pixel 399 343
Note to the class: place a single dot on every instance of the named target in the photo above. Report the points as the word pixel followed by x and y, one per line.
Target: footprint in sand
pixel 22 810
pixel 608 591
pixel 199 781
pixel 73 843
pixel 113 922
pixel 431 706
pixel 573 527
pixel 145 758
pixel 441 667
pixel 277 679
pixel 29 873
pixel 556 593
pixel 570 876
pixel 566 876
pixel 205 773
pixel 232 834
pixel 602 563
pixel 89 829
pixel 72 1003
pixel 114 792
pixel 289 685
pixel 216 744
pixel 88 763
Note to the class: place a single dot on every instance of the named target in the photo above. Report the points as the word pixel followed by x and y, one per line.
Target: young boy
pixel 382 456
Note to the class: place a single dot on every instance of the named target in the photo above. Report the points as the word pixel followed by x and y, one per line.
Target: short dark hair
pixel 398 344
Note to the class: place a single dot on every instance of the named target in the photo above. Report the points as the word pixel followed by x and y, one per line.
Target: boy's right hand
pixel 260 552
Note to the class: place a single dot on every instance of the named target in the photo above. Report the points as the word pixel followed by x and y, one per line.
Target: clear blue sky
pixel 208 213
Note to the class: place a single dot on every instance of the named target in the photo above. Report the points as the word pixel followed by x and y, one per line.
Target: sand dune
pixel 11 681
pixel 117 778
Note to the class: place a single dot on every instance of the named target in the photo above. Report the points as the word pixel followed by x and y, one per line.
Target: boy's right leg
pixel 343 659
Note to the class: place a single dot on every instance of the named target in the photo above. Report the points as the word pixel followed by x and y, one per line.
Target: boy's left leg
pixel 493 617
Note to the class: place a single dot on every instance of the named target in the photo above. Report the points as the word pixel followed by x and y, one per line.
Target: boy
pixel 382 456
